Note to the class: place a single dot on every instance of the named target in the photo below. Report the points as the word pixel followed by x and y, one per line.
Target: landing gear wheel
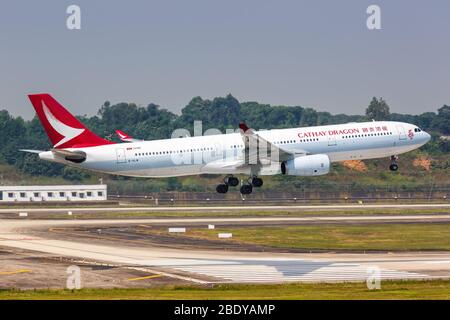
pixel 246 189
pixel 222 188
pixel 232 181
pixel 257 182
pixel 393 167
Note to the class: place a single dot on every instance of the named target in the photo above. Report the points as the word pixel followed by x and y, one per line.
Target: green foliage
pixel 148 123
pixel 441 123
pixel 173 184
pixel 377 110
pixel 31 164
pixel 74 174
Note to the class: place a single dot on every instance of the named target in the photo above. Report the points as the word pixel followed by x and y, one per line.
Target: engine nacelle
pixel 313 165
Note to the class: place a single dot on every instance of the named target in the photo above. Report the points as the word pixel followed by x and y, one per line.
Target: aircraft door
pixel 121 158
pixel 332 140
pixel 401 133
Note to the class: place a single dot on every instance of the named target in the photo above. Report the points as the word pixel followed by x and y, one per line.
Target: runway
pixel 225 208
pixel 214 266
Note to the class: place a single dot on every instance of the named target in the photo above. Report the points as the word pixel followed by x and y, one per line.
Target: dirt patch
pixel 422 162
pixel 22 269
pixel 356 165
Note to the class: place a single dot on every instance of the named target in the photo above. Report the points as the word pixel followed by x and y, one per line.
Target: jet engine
pixel 312 165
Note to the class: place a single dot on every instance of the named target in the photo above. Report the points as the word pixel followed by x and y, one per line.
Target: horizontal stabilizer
pixel 31 151
pixel 73 156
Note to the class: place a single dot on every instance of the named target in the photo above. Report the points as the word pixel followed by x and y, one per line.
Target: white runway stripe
pixel 296 272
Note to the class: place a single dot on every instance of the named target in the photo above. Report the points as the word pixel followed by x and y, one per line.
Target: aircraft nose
pixel 427 136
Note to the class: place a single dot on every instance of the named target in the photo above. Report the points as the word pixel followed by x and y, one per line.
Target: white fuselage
pixel 222 154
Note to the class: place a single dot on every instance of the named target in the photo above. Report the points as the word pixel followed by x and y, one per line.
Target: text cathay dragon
pixel 296 151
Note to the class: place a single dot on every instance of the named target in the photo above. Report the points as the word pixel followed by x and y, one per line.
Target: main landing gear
pixel 254 181
pixel 394 165
pixel 228 181
pixel 246 188
pixel 257 182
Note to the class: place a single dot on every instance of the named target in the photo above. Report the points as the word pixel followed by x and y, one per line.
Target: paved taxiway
pixel 206 266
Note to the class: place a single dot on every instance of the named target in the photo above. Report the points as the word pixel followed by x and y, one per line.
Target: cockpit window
pixel 417 130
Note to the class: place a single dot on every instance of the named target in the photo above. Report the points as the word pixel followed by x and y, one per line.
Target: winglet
pixel 122 135
pixel 125 137
pixel 243 127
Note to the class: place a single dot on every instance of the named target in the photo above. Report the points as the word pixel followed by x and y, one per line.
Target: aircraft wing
pixel 258 150
pixel 125 137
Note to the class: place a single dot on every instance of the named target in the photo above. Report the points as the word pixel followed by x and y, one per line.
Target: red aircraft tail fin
pixel 63 129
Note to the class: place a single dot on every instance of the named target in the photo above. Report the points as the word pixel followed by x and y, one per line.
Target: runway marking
pixel 247 273
pixel 438 262
pixel 143 269
pixel 6 273
pixel 146 277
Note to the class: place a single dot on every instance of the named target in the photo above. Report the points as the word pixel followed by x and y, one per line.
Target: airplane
pixel 304 151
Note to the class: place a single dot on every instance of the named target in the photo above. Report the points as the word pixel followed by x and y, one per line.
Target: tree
pixel 378 110
pixel 442 122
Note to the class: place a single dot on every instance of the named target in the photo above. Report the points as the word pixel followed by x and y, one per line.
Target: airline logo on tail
pixel 64 130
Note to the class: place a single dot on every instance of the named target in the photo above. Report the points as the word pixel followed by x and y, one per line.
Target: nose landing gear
pixel 394 165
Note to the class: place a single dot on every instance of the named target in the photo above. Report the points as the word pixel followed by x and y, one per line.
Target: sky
pixel 316 53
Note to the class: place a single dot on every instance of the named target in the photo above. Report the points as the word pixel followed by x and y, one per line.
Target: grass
pixel 409 177
pixel 246 213
pixel 383 237
pixel 434 289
